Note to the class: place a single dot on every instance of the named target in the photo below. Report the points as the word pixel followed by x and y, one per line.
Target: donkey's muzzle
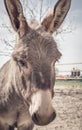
pixel 42 120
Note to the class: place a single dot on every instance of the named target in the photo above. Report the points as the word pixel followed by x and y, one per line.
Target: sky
pixel 69 41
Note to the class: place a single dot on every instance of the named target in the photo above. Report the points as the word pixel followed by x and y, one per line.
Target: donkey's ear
pixel 53 21
pixel 15 12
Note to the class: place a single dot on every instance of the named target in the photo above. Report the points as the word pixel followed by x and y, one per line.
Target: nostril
pixel 35 118
pixel 53 115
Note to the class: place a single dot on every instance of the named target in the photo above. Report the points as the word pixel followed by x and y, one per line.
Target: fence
pixel 66 68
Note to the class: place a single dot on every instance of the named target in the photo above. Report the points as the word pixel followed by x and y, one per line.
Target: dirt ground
pixel 68 104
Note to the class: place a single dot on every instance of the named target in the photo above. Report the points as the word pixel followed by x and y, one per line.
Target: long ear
pixel 53 21
pixel 15 12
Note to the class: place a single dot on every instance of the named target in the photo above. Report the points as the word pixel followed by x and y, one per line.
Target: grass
pixel 68 83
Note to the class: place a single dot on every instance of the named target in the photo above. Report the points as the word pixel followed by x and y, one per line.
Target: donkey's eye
pixel 22 63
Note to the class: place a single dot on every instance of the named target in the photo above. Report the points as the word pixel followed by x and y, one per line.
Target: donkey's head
pixel 34 58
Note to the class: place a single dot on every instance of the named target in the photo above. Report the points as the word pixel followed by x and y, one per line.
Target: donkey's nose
pixel 43 120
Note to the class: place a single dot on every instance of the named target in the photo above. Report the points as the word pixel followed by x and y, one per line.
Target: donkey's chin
pixel 43 121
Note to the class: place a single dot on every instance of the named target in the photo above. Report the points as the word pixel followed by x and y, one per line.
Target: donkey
pixel 27 79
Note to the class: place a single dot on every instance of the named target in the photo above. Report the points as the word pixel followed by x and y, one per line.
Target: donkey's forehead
pixel 37 37
pixel 36 34
pixel 40 46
